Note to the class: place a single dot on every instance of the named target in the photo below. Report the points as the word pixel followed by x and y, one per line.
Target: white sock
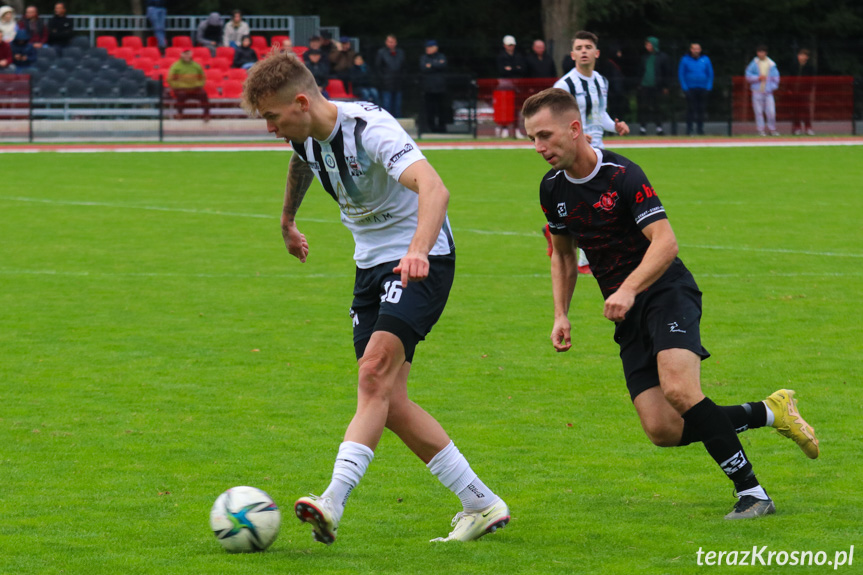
pixel 453 470
pixel 582 258
pixel 770 417
pixel 757 492
pixel 351 464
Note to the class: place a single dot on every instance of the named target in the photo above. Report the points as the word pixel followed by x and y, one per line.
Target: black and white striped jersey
pixel 591 93
pixel 359 165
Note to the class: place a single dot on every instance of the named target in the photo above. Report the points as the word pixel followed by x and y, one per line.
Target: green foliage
pixel 158 345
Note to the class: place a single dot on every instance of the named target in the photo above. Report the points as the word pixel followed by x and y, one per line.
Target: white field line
pixel 334 221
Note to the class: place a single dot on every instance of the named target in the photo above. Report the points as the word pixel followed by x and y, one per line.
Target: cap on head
pixel 431 43
pixel 509 40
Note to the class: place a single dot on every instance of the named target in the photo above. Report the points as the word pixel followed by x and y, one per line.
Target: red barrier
pixel 831 98
pixel 507 95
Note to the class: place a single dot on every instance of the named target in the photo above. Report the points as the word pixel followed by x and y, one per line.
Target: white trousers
pixel 763 105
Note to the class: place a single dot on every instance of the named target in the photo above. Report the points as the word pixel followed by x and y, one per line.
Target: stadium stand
pixel 109 43
pixel 133 42
pixel 225 52
pixel 232 89
pixel 237 74
pixel 126 54
pixel 218 64
pixel 79 42
pixel 181 41
pixel 173 52
pixel 151 53
pixel 201 54
pixel 76 88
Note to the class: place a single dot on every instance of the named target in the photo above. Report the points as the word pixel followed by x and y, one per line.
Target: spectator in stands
pixel 654 85
pixel 433 69
pixel 23 52
pixel 60 28
pixel 315 44
pixel 34 25
pixel 235 30
pixel 389 64
pixel 8 26
pixel 610 67
pixel 763 77
pixel 209 32
pixel 319 70
pixel 802 93
pixel 510 64
pixel 244 55
pixel 6 62
pixel 186 78
pixel 538 64
pixel 327 46
pixel 342 60
pixel 287 45
pixel 157 12
pixel 695 74
pixel 362 82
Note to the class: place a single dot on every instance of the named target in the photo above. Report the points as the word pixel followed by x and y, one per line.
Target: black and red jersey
pixel 606 212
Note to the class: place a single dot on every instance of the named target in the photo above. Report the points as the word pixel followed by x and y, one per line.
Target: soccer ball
pixel 245 519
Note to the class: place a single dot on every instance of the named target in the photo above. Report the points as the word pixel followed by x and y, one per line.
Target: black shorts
pixel 666 316
pixel 381 304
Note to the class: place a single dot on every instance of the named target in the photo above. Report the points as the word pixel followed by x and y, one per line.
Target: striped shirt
pixel 591 93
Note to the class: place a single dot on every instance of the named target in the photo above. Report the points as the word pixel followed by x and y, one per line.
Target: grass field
pixel 158 345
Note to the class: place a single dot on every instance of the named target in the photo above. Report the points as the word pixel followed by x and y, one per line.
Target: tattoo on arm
pixel 300 177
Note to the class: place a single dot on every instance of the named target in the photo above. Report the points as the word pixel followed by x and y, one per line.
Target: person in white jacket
pixel 235 30
pixel 8 27
pixel 763 77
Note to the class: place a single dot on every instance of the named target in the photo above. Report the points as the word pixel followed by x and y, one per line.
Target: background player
pixel 604 202
pixel 395 205
pixel 590 90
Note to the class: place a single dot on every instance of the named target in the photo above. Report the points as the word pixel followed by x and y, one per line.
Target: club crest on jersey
pixel 353 166
pixel 330 162
pixel 606 201
pixel 561 209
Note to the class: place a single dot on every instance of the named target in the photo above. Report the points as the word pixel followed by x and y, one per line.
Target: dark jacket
pixel 537 68
pixel 210 30
pixel 433 73
pixel 36 28
pixel 514 62
pixel 60 30
pixel 23 52
pixel 390 66
pixel 244 56
pixel 661 68
pixel 361 76
pixel 320 71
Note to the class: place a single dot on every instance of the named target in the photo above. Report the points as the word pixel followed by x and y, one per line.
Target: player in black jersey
pixel 604 203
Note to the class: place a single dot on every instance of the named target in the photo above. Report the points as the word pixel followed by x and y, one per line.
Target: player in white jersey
pixel 590 89
pixel 394 204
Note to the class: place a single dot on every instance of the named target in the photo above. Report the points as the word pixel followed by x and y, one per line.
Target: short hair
pixel 761 48
pixel 585 35
pixel 804 51
pixel 279 71
pixel 557 100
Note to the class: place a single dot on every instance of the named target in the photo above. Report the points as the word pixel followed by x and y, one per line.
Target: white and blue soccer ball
pixel 245 519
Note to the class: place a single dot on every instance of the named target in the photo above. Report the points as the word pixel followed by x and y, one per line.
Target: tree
pixel 561 19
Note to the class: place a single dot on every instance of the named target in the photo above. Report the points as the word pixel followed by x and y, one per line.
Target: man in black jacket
pixel 654 85
pixel 60 28
pixel 539 64
pixel 433 66
pixel 510 64
pixel 389 63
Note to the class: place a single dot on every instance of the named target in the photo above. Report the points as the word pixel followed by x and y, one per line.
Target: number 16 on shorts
pixel 392 291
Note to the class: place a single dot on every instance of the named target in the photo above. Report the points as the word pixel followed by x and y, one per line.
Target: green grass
pixel 158 345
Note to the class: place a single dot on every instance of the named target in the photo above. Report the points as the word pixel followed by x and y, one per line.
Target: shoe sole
pixel 499 524
pixel 308 513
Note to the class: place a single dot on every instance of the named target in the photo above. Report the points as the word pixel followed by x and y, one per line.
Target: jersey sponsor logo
pixel 315 166
pixel 675 328
pixel 734 463
pixel 645 193
pixel 648 213
pixel 606 202
pixel 353 166
pixel 398 155
pixel 561 209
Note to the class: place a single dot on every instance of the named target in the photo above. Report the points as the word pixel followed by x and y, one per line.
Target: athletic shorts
pixel 666 316
pixel 382 304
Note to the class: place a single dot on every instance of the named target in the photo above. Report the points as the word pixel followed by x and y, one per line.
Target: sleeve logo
pixel 561 209
pixel 396 157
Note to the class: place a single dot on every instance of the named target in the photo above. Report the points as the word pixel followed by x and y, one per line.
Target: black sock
pixel 750 415
pixel 717 433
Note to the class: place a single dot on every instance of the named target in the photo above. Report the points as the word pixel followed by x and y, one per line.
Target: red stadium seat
pixel 214 76
pixel 157 73
pixel 262 53
pixel 165 63
pixel 109 43
pixel 151 53
pixel 132 42
pixel 219 64
pixel 277 40
pixel 260 43
pixel 337 90
pixel 143 64
pixel 232 89
pixel 212 90
pixel 126 54
pixel 237 74
pixel 300 50
pixel 173 52
pixel 181 41
pixel 201 54
pixel 225 52
pixel 152 42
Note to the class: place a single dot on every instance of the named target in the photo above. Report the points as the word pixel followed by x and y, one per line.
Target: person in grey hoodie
pixel 210 32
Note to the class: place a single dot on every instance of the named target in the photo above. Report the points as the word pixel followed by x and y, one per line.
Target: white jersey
pixel 359 165
pixel 591 93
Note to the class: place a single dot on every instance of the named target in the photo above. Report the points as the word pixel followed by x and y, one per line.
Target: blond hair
pixel 279 72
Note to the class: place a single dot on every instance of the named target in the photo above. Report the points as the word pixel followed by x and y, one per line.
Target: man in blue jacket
pixel 695 74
